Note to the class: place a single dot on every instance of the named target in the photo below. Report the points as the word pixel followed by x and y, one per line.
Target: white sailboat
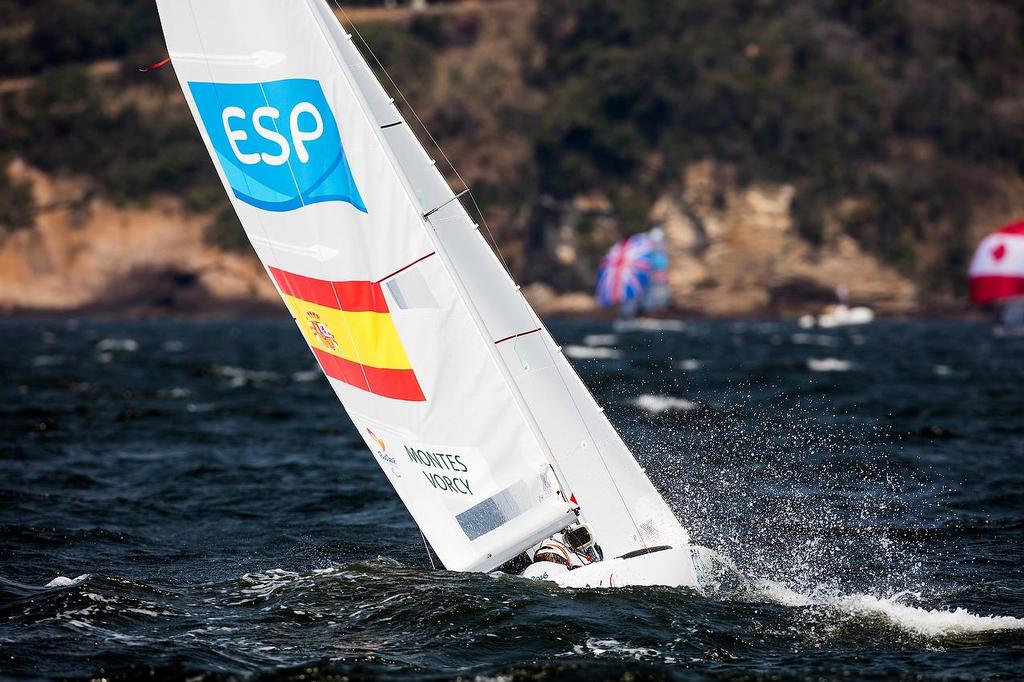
pixel 481 425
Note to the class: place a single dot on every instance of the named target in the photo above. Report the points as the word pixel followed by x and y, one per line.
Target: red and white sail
pixel 478 421
pixel 997 269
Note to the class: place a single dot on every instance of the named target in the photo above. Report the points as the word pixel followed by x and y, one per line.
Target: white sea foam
pixel 829 365
pixel 588 353
pixel 306 376
pixel 647 324
pixel 240 376
pixel 802 339
pixel 614 648
pixel 600 339
pixel 913 619
pixel 656 404
pixel 943 370
pixel 172 346
pixel 176 393
pixel 63 581
pixel 126 345
pixel 690 364
pixel 929 622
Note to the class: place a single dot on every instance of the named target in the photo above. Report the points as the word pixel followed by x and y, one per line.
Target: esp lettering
pixel 305 124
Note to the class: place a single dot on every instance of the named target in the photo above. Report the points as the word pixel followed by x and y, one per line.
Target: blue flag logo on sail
pixel 277 142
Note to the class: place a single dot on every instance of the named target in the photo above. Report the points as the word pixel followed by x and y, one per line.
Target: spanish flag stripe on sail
pixel 349 327
pixel 390 383
pixel 351 296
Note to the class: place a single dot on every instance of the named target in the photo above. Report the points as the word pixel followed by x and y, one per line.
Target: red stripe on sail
pixel 351 296
pixel 1013 228
pixel 307 288
pixel 361 296
pixel 341 369
pixel 400 384
pixel 987 288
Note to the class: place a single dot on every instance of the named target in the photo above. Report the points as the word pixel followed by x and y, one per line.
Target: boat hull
pixel 669 567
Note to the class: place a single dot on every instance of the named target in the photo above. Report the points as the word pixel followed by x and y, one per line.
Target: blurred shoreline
pixel 562 307
pixel 787 151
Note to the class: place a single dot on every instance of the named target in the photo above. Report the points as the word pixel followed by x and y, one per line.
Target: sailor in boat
pixel 657 299
pixel 572 548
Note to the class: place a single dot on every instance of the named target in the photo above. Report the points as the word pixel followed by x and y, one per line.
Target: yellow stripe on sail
pixel 369 338
pixel 377 340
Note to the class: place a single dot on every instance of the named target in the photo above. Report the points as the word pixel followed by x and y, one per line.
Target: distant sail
pixel 481 425
pixel 658 296
pixel 997 269
pixel 625 271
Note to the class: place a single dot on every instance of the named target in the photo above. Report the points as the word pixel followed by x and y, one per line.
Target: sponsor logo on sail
pixel 378 440
pixel 277 142
pixel 382 450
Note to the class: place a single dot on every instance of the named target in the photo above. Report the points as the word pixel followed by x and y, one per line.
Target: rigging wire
pixel 466 188
pixel 429 555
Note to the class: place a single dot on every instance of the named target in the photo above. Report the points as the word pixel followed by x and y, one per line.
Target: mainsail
pixel 484 429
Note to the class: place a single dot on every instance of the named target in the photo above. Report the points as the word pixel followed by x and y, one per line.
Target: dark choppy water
pixel 207 510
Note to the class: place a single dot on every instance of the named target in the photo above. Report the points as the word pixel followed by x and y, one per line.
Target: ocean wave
pixel 240 376
pixel 656 404
pixel 829 365
pixel 600 339
pixel 176 393
pixel 929 622
pixel 589 353
pixel 932 623
pixel 614 648
pixel 127 345
pixel 64 581
pixel 646 324
pixel 803 339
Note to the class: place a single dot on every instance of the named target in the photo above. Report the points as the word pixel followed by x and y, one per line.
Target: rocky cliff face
pixel 734 252
pixel 89 254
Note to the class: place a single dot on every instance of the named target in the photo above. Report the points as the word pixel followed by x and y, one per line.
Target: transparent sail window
pixel 496 510
pixel 411 292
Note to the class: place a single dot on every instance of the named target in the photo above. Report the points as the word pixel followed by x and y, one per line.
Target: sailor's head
pixel 554 552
